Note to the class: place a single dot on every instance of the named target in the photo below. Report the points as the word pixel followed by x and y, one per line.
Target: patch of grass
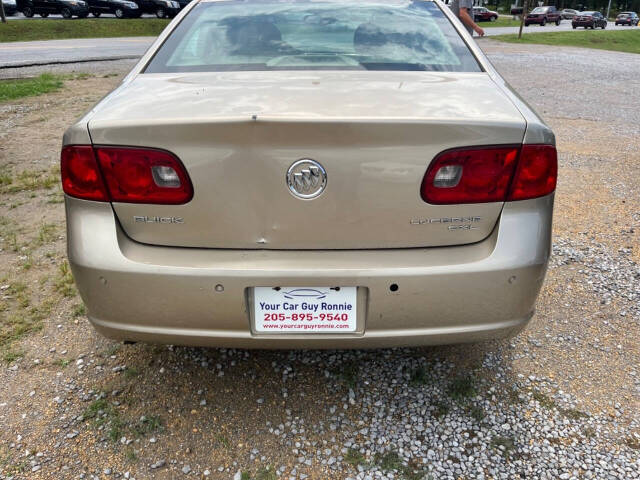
pixel 10 356
pixel 95 408
pixel 501 22
pixel 245 476
pixel 477 413
pixel 389 461
pixel 78 310
pixel 20 292
pixel 28 87
pixel 505 445
pixel 442 409
pixel 148 424
pixel 64 283
pixel 419 376
pixel 47 233
pixel 104 415
pixel 265 473
pixel 36 29
pixel 223 441
pixel 5 179
pixel 62 362
pixel 131 455
pixel 462 388
pixel 348 374
pixel 31 180
pixel 354 457
pixel 572 413
pixel 616 40
pixel 27 319
pixel 131 372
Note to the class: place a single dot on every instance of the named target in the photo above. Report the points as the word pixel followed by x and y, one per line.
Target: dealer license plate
pixel 304 309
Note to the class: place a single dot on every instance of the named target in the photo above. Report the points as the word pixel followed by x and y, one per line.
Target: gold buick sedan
pixel 310 174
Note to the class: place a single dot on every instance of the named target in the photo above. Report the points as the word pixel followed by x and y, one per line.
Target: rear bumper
pixel 446 295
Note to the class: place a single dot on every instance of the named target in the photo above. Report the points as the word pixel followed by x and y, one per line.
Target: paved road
pixel 565 26
pixel 16 54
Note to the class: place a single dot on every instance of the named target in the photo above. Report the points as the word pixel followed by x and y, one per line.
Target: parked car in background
pixel 568 13
pixel 119 8
pixel 66 8
pixel 627 18
pixel 589 20
pixel 482 14
pixel 183 3
pixel 517 10
pixel 161 8
pixel 260 181
pixel 543 15
pixel 10 7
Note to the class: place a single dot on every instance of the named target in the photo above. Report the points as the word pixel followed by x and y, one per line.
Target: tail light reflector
pixel 124 174
pixel 490 174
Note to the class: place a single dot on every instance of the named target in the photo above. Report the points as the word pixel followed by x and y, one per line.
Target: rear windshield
pixel 314 35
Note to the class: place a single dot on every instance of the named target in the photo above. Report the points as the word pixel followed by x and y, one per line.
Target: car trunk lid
pixel 374 133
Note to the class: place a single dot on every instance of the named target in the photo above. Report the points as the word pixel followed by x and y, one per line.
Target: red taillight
pixel 125 174
pixel 536 174
pixel 484 175
pixel 80 174
pixel 490 174
pixel 140 175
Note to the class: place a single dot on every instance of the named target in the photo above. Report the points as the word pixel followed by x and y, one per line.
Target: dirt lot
pixel 561 400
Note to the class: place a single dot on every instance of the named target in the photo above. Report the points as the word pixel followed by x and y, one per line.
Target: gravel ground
pixel 560 401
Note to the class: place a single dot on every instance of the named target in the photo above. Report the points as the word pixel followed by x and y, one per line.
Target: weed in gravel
pixel 544 400
pixel 462 388
pixel 477 413
pixel 64 283
pixel 30 180
pixel 130 455
pixel 78 310
pixel 348 374
pixel 5 179
pixel 96 408
pixel 245 476
pixel 131 372
pixel 20 292
pixel 354 457
pixel 419 376
pixel 265 473
pixel 46 234
pixel 506 445
pixel 442 408
pixel 148 424
pixel 223 441
pixel 10 356
pixel 106 418
pixel 572 413
pixel 389 461
pixel 62 362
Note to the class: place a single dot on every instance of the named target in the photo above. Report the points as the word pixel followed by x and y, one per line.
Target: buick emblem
pixel 306 178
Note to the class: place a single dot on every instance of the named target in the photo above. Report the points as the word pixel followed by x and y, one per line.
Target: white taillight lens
pixel 448 176
pixel 165 177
